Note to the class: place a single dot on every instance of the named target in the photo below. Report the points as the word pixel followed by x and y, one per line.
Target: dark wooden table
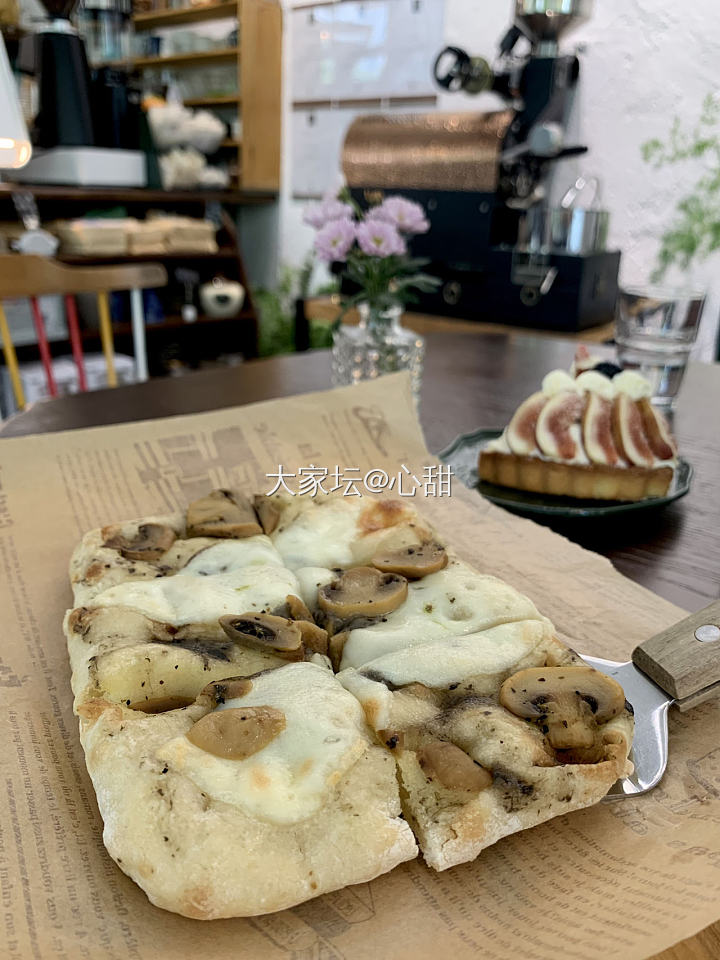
pixel 471 380
pixel 474 380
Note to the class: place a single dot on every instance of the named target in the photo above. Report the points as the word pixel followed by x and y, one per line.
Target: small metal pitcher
pixel 579 230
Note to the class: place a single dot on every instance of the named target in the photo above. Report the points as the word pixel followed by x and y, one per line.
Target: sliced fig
pixel 597 431
pixel 657 431
pixel 629 432
pixel 521 429
pixel 553 433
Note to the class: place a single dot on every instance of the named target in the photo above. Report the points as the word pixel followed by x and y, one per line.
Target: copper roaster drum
pixel 426 151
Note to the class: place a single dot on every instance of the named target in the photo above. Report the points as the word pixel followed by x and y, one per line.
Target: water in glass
pixel 655 332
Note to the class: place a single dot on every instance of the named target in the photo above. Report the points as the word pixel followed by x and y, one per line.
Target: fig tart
pixel 594 435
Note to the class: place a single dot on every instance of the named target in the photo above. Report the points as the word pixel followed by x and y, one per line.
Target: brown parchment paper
pixel 617 881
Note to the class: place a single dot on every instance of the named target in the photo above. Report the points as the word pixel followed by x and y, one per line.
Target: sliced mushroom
pixel 570 701
pixel 230 689
pixel 238 732
pixel 222 514
pixel 363 592
pixel 336 645
pixel 265 631
pixel 412 562
pixel 150 542
pixel 297 610
pixel 267 511
pixel 452 767
pixel 314 638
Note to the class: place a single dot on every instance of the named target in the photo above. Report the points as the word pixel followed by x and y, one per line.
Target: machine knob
pixel 452 292
pixel 454 70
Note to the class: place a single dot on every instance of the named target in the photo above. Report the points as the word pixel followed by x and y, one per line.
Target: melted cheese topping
pixel 185 598
pixel 341 532
pixel 453 602
pixel 227 555
pixel 310 580
pixel 321 535
pixel 492 654
pixel 292 777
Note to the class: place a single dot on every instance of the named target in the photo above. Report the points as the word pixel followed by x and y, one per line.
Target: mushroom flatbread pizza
pixel 282 696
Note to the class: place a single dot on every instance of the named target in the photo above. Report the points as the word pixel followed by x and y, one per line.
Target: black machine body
pixel 477 244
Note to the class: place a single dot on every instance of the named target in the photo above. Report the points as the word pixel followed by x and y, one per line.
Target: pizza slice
pixel 492 733
pixel 264 792
pixel 237 775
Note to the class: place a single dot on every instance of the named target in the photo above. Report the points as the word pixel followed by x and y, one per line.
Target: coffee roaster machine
pixel 503 254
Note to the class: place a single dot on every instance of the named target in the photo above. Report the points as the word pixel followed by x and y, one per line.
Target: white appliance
pixel 85 167
pixel 15 149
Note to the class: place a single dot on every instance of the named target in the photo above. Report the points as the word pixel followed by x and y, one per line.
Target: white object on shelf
pixel 20 319
pixel 222 298
pixel 34 381
pixel 84 167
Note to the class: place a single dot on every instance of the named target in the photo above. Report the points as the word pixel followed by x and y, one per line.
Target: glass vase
pixel 379 344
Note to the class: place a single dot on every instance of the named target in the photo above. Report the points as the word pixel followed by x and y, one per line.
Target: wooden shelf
pixel 231 143
pixel 169 323
pixel 227 100
pixel 191 59
pixel 197 14
pixel 224 253
pixel 138 195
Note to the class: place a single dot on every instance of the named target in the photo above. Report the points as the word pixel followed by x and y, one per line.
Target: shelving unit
pixel 223 101
pixel 257 101
pixel 193 58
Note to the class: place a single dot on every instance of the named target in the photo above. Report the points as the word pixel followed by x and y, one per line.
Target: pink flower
pixel 319 214
pixel 406 216
pixel 335 239
pixel 380 239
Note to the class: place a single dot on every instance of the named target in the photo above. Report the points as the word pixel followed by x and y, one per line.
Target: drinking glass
pixel 655 330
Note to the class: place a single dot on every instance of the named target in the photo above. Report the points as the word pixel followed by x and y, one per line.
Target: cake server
pixel 680 666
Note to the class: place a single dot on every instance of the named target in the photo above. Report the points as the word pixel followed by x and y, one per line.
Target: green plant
pixel 276 311
pixel 695 232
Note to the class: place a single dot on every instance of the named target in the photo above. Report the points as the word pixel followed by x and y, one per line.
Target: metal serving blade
pixel 649 753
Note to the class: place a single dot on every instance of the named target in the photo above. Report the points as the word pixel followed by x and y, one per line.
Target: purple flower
pixel 380 239
pixel 319 214
pixel 335 239
pixel 406 216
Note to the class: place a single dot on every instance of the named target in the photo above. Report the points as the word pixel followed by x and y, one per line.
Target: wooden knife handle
pixel 685 659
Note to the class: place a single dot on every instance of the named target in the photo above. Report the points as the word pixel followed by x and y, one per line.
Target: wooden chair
pixel 32 277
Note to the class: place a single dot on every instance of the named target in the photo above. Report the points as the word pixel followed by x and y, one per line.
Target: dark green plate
pixel 462 456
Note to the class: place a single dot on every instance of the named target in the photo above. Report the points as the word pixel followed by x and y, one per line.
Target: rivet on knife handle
pixel 685 659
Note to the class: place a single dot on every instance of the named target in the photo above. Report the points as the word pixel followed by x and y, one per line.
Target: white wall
pixel 643 63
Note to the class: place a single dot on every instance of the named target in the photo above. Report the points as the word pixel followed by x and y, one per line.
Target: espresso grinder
pixel 67 112
pixel 502 253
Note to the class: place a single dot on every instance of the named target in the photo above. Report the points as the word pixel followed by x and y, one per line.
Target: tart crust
pixel 587 481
